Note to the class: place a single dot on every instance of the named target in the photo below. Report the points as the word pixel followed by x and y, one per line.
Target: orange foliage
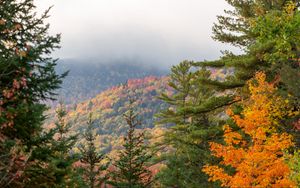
pixel 259 162
pixel 107 103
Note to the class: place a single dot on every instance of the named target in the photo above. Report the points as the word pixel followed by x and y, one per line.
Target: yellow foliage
pixel 290 7
pixel 22 54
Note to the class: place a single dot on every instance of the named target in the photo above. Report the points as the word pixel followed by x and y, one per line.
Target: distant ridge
pixel 87 79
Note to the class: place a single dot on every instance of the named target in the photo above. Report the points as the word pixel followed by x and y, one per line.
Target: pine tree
pixel 234 28
pixel 131 167
pixel 266 31
pixel 180 79
pixel 188 131
pixel 27 77
pixel 93 161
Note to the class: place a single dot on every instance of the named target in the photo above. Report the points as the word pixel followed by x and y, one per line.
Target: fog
pixel 158 32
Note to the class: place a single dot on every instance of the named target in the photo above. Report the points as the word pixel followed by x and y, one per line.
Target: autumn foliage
pixel 255 152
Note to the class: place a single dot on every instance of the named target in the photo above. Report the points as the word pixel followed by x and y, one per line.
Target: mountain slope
pixel 87 79
pixel 107 109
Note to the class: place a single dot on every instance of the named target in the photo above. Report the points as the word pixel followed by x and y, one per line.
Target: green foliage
pixel 268 34
pixel 62 145
pixel 92 160
pixel 27 77
pixel 131 167
pixel 280 31
pixel 266 31
pixel 294 164
pixel 27 73
pixel 234 28
pixel 53 159
pixel 180 79
pixel 189 132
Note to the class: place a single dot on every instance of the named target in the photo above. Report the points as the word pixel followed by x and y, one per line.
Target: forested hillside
pixel 87 78
pixel 109 106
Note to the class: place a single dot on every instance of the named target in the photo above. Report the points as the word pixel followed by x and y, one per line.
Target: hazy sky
pixel 151 31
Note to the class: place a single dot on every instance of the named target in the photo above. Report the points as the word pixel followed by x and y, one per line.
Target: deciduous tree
pixel 256 152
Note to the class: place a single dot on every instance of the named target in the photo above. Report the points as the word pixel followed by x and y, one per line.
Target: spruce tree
pixel 131 167
pixel 92 160
pixel 27 77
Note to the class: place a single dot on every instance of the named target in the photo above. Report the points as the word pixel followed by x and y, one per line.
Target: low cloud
pixel 161 32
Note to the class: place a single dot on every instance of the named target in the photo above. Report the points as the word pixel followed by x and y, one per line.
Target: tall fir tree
pixel 27 77
pixel 188 133
pixel 93 161
pixel 131 167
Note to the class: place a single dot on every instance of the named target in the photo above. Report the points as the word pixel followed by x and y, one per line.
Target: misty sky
pixel 150 31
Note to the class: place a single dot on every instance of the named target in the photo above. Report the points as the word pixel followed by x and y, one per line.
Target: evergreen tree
pixel 131 167
pixel 234 28
pixel 188 132
pixel 266 31
pixel 268 34
pixel 53 161
pixel 27 77
pixel 244 27
pixel 62 146
pixel 92 160
pixel 180 79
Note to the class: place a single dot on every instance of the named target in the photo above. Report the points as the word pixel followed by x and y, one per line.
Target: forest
pixel 232 122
